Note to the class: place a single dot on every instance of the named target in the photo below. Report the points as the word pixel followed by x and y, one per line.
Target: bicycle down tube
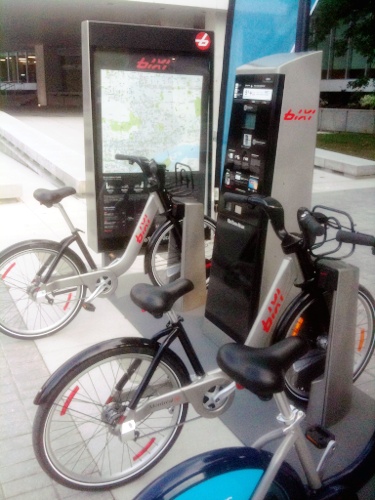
pixel 118 267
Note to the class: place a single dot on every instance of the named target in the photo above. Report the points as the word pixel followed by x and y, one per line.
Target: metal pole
pixel 303 21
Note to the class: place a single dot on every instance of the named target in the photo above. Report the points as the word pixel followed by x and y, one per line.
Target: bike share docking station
pixel 270 151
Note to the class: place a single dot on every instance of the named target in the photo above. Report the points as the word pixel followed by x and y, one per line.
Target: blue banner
pixel 255 28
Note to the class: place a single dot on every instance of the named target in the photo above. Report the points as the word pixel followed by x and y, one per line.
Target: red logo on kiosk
pixel 203 41
pixel 153 63
pixel 301 114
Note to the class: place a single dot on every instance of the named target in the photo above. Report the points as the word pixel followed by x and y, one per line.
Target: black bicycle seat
pixel 49 197
pixel 261 370
pixel 157 300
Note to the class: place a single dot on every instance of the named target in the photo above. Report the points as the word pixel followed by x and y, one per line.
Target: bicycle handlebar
pixel 355 238
pixel 148 167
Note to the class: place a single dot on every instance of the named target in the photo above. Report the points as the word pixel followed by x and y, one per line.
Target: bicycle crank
pixel 217 396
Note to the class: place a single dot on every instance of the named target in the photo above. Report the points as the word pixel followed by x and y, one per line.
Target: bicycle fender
pixel 73 364
pixel 26 243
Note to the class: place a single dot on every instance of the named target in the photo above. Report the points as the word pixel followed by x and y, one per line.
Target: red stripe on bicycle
pixel 8 270
pixel 362 336
pixel 69 400
pixel 68 301
pixel 145 449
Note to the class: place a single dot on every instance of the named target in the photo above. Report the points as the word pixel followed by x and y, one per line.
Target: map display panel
pixel 157 115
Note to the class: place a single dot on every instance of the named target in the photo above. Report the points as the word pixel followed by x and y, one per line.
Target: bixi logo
pixel 154 63
pixel 301 114
pixel 143 227
pixel 203 41
pixel 273 310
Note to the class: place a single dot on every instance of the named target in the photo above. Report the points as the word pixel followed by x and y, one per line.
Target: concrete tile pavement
pixel 25 365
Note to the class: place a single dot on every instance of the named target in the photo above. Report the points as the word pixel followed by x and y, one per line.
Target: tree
pixel 354 21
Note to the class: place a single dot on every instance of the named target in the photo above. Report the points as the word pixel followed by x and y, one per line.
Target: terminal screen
pixel 257 94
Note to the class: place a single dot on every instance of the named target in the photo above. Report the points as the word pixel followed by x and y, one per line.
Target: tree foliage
pixel 355 23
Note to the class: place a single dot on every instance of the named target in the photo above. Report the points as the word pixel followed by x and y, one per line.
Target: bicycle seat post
pixel 63 212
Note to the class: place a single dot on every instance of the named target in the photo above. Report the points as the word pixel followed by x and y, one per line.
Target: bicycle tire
pixel 224 473
pixel 308 316
pixel 73 440
pixel 22 315
pixel 163 254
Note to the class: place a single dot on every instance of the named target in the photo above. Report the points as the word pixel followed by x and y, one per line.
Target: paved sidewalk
pixel 25 365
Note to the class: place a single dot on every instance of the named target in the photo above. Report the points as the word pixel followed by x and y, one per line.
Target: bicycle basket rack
pixel 181 182
pixel 333 220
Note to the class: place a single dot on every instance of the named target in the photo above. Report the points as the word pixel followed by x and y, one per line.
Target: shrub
pixel 368 101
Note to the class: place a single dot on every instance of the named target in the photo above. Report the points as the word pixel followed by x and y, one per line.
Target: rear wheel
pixel 310 318
pixel 24 314
pixel 163 256
pixel 77 432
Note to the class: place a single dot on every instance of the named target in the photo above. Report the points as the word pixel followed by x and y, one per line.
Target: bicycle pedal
pixel 88 306
pixel 319 436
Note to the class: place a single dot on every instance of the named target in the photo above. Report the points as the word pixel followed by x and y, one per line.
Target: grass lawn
pixel 361 145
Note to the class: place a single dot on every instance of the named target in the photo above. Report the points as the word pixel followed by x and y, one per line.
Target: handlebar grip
pixel 355 238
pixel 148 167
pixel 309 222
pixel 236 198
pixel 132 159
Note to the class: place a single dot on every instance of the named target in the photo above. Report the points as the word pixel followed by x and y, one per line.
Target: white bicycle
pixel 43 283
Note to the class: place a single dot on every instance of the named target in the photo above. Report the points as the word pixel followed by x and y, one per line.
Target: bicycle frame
pixel 260 335
pixel 105 279
pixel 293 437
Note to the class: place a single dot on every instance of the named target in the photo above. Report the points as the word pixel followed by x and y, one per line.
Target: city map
pixel 156 115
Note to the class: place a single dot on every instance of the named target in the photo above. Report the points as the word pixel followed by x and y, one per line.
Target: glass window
pixel 22 67
pixel 12 67
pixel 18 67
pixel 31 68
pixel 3 68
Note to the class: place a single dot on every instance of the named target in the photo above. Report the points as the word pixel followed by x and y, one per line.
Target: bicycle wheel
pixel 163 256
pixel 226 473
pixel 75 434
pixel 310 318
pixel 24 315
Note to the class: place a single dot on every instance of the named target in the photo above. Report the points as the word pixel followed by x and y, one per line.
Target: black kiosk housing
pixel 270 151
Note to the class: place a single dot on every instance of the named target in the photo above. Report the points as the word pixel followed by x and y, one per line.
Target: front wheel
pixel 76 431
pixel 310 318
pixel 163 255
pixel 224 473
pixel 24 314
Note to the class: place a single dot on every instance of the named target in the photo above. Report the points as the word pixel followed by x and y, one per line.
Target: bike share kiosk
pixel 147 92
pixel 270 151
